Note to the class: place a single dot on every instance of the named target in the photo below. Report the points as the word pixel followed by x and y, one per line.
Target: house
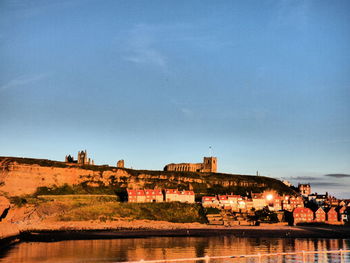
pixel 187 197
pixel 132 197
pixel 318 199
pixel 304 189
pixel 277 203
pixel 136 196
pixel 223 201
pixel 296 201
pixel 172 195
pixel 233 201
pixel 153 195
pixel 259 201
pixel 332 216
pixel 249 204
pixel 140 196
pixel 320 215
pixel 158 195
pixel 302 215
pixel 342 216
pixel 149 194
pixel 210 201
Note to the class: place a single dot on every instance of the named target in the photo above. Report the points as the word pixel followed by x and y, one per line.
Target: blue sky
pixel 266 84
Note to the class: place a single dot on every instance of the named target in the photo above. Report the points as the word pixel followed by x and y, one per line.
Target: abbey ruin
pixel 209 165
pixel 82 159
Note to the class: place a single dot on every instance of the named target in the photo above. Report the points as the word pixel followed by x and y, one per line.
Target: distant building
pixel 304 189
pixel 332 216
pixel 70 159
pixel 209 165
pixel 82 159
pixel 132 196
pixel 342 216
pixel 210 201
pixel 318 199
pixel 302 215
pixel 187 197
pixel 140 196
pixel 153 195
pixel 320 215
pixel 259 201
pixel 144 196
pixel 120 164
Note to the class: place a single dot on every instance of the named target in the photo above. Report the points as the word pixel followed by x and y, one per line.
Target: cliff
pixel 23 176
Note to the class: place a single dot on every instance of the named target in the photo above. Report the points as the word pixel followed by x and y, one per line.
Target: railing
pixel 258 256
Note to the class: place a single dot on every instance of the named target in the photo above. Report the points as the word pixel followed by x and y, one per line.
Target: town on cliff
pixel 269 206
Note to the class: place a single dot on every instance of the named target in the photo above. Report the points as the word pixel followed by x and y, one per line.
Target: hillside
pixel 23 176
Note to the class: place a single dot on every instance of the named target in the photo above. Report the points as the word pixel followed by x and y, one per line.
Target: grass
pixel 171 212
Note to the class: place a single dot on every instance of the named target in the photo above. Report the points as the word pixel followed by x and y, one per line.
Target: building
pixel 82 159
pixel 120 164
pixel 210 201
pixel 320 215
pixel 259 201
pixel 132 196
pixel 332 216
pixel 234 200
pixel 318 199
pixel 172 195
pixel 302 215
pixel 209 165
pixel 304 189
pixel 187 197
pixel 223 201
pixel 156 196
pixel 140 196
pixel 136 196
pixel 153 195
pixel 342 216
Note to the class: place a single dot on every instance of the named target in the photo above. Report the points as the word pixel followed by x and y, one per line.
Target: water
pixel 93 251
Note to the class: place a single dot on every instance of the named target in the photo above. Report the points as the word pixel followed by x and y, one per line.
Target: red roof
pixel 320 210
pixel 222 197
pixel 302 210
pixel 149 192
pixel 131 192
pixel 208 198
pixel 140 192
pixel 172 191
pixel 234 196
pixel 158 192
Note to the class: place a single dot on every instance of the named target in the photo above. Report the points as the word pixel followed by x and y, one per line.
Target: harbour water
pixel 135 249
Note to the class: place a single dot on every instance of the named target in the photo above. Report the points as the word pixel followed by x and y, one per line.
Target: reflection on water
pixel 172 247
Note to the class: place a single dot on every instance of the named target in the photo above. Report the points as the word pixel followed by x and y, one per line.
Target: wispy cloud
pixel 338 175
pixel 22 81
pixel 302 178
pixel 328 184
pixel 142 47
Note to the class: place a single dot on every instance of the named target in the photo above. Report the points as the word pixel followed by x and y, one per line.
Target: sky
pixel 262 85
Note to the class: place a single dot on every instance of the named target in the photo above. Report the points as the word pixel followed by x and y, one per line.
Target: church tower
pixel 210 165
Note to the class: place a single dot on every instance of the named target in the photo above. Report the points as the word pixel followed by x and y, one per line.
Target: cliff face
pixel 19 176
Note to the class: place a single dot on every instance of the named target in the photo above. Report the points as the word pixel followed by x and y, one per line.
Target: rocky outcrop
pixel 20 176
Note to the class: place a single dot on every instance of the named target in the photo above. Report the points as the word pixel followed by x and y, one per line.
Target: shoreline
pixel 82 230
pixel 46 235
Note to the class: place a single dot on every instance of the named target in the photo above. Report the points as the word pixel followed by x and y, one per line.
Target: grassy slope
pixel 213 183
pixel 97 207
